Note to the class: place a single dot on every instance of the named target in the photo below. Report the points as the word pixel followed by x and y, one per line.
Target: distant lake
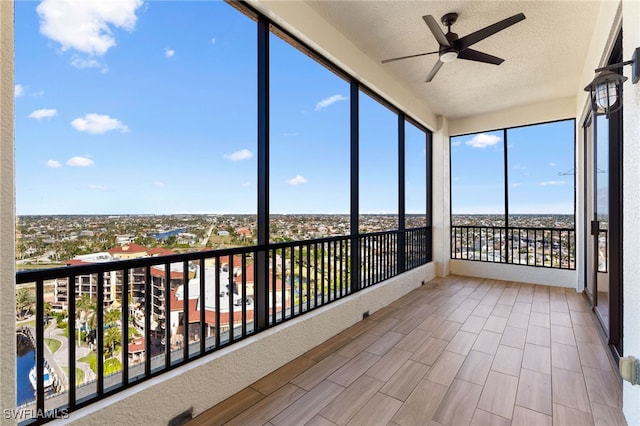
pixel 26 360
pixel 167 234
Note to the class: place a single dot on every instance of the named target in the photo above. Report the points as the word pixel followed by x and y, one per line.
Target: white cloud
pixel 552 164
pixel 213 40
pixel 483 140
pixel 82 63
pixel 331 100
pixel 39 114
pixel 54 164
pixel 97 124
pixel 516 184
pixel 159 184
pixel 245 184
pixel 79 162
pixel 86 26
pixel 552 183
pixel 297 180
pixel 243 154
pixel 18 90
pixel 97 187
pixel 169 53
pixel 456 143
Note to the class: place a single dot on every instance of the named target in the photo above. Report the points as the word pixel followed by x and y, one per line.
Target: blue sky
pixel 540 170
pixel 150 107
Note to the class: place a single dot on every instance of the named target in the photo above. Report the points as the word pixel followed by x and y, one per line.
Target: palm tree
pixel 86 311
pixel 112 337
pixel 25 302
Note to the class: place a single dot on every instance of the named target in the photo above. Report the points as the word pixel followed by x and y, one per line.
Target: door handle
pixel 595 227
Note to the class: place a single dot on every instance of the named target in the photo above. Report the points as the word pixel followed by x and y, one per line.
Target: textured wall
pixel 441 214
pixel 523 274
pixel 631 197
pixel 205 382
pixel 7 218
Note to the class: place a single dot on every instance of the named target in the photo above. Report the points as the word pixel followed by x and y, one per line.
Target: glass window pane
pixel 477 179
pixel 309 146
pixel 161 122
pixel 378 166
pixel 541 176
pixel 415 176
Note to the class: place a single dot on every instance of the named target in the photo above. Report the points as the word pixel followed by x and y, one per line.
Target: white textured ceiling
pixel 543 54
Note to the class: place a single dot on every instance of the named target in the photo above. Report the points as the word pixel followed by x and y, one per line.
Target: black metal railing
pixel 544 247
pixel 126 321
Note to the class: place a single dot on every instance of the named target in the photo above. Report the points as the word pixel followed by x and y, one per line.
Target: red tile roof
pixel 137 345
pixel 128 248
pixel 159 272
pixel 160 251
pixel 243 231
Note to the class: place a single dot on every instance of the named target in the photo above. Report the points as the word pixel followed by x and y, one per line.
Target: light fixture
pixel 604 90
pixel 448 56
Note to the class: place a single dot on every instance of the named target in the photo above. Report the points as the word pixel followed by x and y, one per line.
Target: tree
pixel 25 302
pixel 112 337
pixel 86 311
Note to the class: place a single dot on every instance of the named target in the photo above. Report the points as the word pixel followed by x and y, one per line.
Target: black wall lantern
pixel 604 90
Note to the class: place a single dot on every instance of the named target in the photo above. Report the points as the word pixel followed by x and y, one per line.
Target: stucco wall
pixel 205 382
pixel 7 218
pixel 441 211
pixel 631 208
pixel 524 274
pixel 558 109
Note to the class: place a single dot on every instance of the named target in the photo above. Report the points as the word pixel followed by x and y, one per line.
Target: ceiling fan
pixel 452 47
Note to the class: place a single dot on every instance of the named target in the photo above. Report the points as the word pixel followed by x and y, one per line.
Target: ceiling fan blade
pixel 474 55
pixel 436 30
pixel 409 56
pixel 434 71
pixel 473 38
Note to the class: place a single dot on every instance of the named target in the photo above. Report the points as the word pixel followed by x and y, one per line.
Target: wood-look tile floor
pixel 457 351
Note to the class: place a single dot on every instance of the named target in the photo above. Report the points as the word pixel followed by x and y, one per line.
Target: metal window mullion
pixel 506 178
pixel 261 278
pixel 401 192
pixel 354 208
